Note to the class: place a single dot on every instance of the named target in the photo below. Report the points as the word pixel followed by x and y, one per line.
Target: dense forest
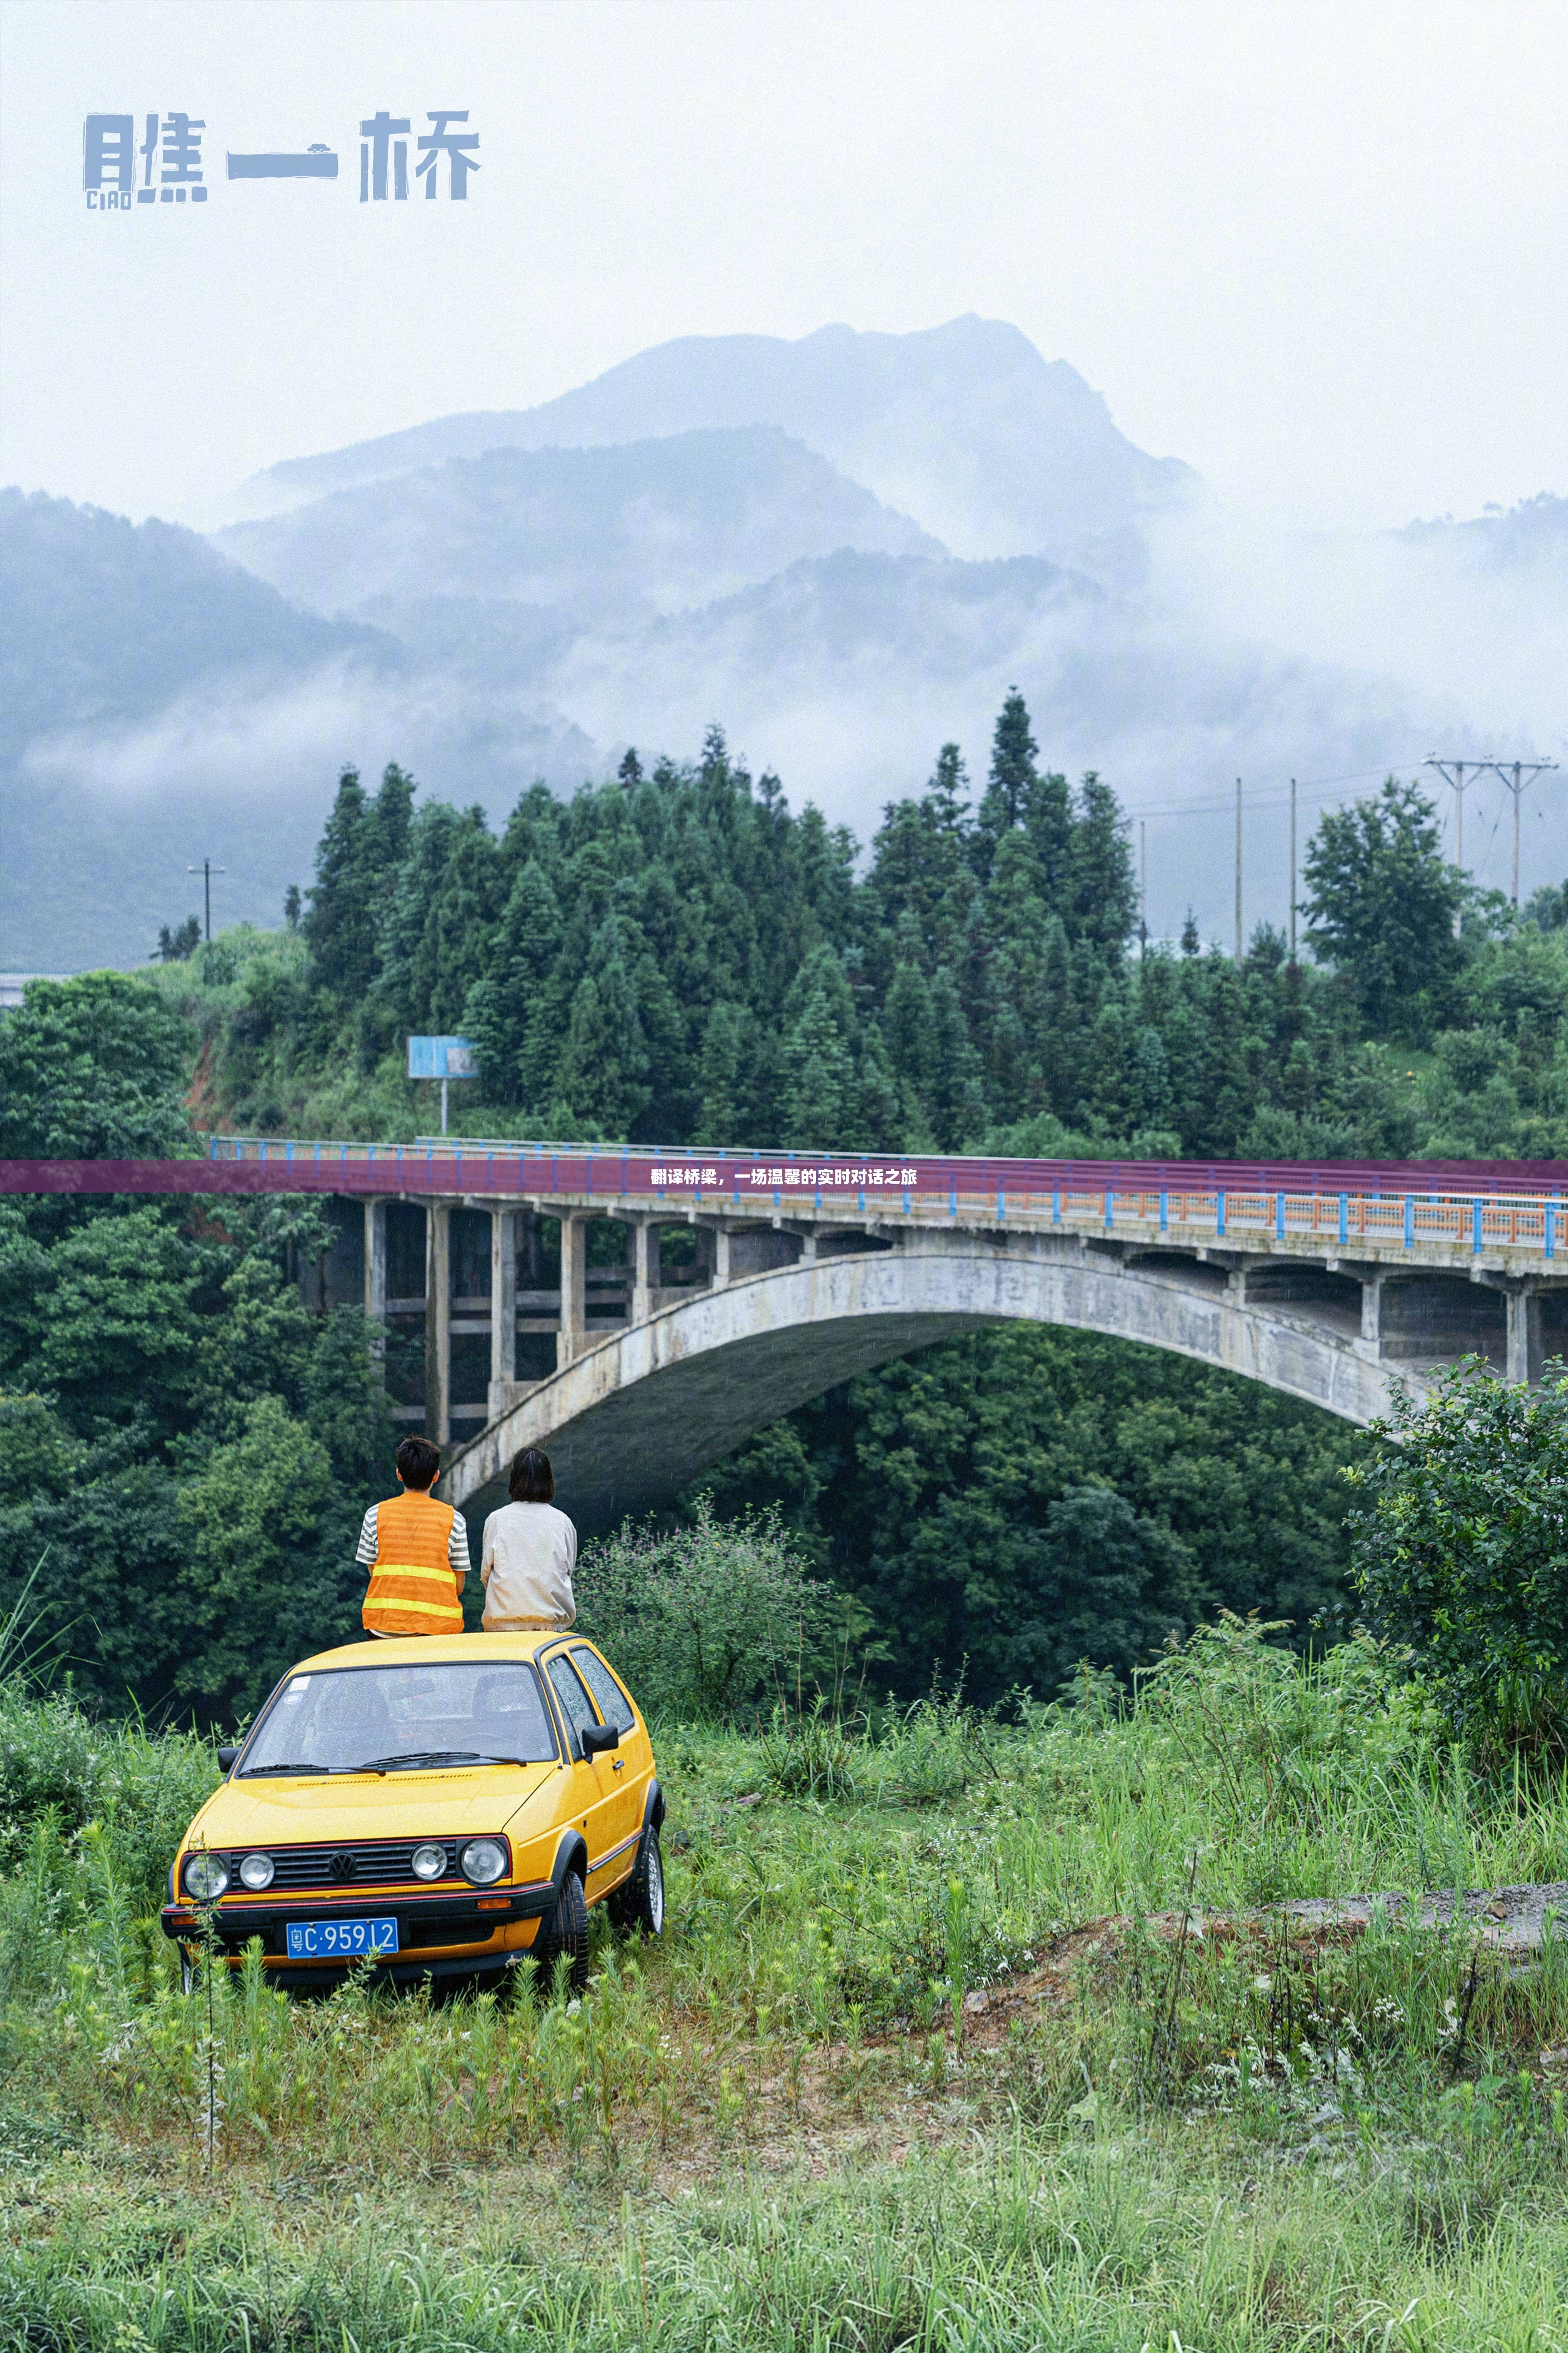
pixel 677 955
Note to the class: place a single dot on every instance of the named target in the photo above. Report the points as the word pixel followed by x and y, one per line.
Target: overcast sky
pixel 1316 250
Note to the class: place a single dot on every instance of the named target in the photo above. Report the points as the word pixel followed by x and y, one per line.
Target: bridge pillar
pixel 503 1308
pixel 1371 1316
pixel 648 1274
pixel 438 1322
pixel 376 1272
pixel 574 1332
pixel 1524 1349
pixel 721 1257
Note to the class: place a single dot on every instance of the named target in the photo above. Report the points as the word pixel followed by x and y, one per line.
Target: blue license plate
pixel 340 1940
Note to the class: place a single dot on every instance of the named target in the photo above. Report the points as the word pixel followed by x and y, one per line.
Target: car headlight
pixel 429 1862
pixel 206 1876
pixel 257 1871
pixel 484 1860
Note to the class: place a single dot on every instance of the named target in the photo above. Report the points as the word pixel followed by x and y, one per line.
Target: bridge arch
pixel 642 1413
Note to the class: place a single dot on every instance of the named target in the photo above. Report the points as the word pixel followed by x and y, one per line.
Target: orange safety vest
pixel 412 1588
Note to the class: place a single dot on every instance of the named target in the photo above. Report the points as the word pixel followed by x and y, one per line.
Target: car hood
pixel 449 1802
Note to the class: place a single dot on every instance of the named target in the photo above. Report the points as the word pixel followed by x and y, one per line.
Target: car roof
pixel 432 1649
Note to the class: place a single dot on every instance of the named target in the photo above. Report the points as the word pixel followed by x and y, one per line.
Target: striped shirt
pixel 456 1542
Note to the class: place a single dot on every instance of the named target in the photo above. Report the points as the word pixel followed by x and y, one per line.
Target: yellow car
pixel 441 1805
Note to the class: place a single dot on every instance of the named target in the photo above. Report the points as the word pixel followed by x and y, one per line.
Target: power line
pixel 1311 788
pixel 1456 780
pixel 1516 775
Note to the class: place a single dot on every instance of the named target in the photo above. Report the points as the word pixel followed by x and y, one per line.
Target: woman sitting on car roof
pixel 529 1553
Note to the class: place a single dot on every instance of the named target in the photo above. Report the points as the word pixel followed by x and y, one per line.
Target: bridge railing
pixel 971 1190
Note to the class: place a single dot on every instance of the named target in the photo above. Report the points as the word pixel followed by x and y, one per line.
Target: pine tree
pixel 340 926
pixel 724 1046
pixel 603 1066
pixel 818 1057
pixel 1151 1082
pixel 1013 780
pixel 385 832
pixel 1048 821
pixel 513 1013
pixel 947 795
pixel 877 1120
pixel 957 1099
pixel 1102 889
pixel 907 1032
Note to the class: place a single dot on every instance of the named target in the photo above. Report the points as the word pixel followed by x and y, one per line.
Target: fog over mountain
pixel 844 549
pixel 997 450
pixel 602 532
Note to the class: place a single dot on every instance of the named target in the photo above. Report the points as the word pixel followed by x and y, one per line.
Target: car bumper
pixel 491 1926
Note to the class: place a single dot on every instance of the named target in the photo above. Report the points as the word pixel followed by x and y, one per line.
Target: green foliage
pixel 61 1771
pixel 1381 903
pixel 1462 1556
pixel 357 864
pixel 188 1448
pixel 85 1071
pixel 1028 1498
pixel 705 1622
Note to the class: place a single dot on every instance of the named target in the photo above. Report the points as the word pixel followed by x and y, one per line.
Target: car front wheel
pixel 566 1932
pixel 639 1904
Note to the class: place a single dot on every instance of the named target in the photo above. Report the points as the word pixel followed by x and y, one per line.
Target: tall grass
pixel 1063 2248
pixel 1234 2132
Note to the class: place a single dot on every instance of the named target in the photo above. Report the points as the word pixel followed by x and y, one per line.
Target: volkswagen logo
pixel 342 1866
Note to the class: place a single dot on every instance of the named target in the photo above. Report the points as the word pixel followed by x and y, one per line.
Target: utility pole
pixel 1457 778
pixel 1292 870
pixel 206 869
pixel 1142 888
pixel 1516 775
pixel 1239 870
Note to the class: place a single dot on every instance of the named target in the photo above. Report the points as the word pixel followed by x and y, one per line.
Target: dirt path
pixel 1514 1919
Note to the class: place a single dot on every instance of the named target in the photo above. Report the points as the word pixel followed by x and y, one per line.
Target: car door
pixel 596 1789
pixel 628 1767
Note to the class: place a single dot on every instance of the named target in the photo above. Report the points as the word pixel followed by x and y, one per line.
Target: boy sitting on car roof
pixel 416 1551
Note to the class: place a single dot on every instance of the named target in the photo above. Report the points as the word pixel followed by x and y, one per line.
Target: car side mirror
pixel 594 1737
pixel 225 1757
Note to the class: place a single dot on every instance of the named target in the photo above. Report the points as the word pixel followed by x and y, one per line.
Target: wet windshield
pixel 396 1716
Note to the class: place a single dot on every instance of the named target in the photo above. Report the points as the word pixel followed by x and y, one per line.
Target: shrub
pixel 1462 1556
pixel 57 1765
pixel 710 1620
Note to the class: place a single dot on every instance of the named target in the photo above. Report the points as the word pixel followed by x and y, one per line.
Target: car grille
pixel 341 1864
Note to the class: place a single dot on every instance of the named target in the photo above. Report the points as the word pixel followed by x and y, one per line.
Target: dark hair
pixel 533 1480
pixel 417 1461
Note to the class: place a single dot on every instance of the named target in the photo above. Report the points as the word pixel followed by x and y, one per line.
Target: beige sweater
pixel 529 1553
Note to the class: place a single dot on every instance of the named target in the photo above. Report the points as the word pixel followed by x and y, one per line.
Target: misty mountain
pixel 103 620
pixel 857 666
pixel 994 448
pixel 1532 537
pixel 159 704
pixel 598 533
pixel 754 532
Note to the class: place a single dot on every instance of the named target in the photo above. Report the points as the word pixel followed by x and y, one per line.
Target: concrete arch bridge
pixel 640 1316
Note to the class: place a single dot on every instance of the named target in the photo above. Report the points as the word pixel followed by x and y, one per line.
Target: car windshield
pixel 400 1715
